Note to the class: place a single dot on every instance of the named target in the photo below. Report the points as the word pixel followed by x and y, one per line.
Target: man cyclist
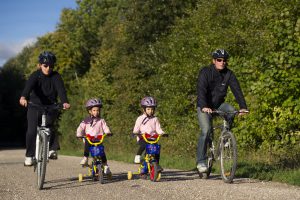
pixel 42 87
pixel 212 85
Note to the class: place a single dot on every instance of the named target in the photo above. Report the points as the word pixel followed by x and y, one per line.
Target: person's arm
pixel 202 87
pixel 105 127
pixel 137 126
pixel 81 129
pixel 60 87
pixel 237 91
pixel 28 88
pixel 158 128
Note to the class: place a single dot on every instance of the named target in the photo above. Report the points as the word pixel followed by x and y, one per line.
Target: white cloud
pixel 11 49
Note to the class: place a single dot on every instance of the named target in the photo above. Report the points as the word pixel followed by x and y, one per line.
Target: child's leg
pixel 104 159
pixel 104 162
pixel 86 149
pixel 142 147
pixel 157 157
pixel 86 153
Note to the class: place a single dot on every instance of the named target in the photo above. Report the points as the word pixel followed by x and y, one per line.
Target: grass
pixel 246 168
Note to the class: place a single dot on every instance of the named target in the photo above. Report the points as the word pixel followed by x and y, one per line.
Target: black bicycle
pixel 42 142
pixel 222 147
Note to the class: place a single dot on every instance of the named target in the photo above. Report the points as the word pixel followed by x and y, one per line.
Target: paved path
pixel 19 182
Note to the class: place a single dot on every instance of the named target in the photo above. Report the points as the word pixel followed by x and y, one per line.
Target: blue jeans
pixel 206 123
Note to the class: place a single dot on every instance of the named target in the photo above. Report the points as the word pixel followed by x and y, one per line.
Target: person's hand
pixel 207 110
pixel 109 134
pixel 23 101
pixel 66 106
pixel 243 112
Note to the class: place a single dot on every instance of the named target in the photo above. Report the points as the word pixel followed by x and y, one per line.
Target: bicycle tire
pixel 228 156
pixel 100 173
pixel 154 173
pixel 42 160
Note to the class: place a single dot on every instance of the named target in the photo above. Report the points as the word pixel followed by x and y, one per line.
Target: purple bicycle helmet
pixel 93 103
pixel 148 102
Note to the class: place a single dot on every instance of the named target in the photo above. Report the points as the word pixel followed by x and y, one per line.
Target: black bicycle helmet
pixel 47 58
pixel 220 53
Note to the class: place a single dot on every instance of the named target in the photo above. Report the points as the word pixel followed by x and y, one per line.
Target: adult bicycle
pixel 222 147
pixel 42 141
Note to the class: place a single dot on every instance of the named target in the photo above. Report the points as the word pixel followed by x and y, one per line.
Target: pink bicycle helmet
pixel 148 102
pixel 93 103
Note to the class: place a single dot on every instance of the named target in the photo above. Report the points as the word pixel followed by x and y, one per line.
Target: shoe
pixel 227 143
pixel 106 170
pixel 84 161
pixel 137 159
pixel 159 168
pixel 28 161
pixel 52 155
pixel 202 167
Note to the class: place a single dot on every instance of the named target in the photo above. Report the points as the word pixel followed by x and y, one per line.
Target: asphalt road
pixel 19 182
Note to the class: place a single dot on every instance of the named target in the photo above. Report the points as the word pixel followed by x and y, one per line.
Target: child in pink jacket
pixel 146 123
pixel 93 126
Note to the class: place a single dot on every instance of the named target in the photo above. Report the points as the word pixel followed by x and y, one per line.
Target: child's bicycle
pixel 150 164
pixel 96 167
pixel 223 147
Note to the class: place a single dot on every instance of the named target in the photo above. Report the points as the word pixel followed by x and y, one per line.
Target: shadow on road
pixel 167 176
pixel 73 182
pixel 183 176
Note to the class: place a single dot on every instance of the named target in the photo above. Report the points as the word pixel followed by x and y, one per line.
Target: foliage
pixel 123 50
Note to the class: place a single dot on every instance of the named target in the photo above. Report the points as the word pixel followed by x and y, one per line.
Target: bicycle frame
pixel 42 143
pixel 96 168
pixel 225 151
pixel 42 131
pixel 150 164
pixel 149 158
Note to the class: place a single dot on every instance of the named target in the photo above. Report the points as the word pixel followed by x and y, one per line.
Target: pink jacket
pixel 148 125
pixel 93 127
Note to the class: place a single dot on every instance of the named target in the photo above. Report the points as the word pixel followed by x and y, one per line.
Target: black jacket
pixel 212 88
pixel 42 89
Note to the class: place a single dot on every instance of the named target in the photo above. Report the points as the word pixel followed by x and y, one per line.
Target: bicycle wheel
pixel 228 156
pixel 154 173
pixel 100 173
pixel 41 160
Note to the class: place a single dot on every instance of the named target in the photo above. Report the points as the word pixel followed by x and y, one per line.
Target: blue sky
pixel 22 21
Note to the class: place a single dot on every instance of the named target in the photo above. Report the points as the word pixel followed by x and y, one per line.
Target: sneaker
pixel 84 161
pixel 137 159
pixel 28 161
pixel 159 168
pixel 106 170
pixel 52 155
pixel 202 167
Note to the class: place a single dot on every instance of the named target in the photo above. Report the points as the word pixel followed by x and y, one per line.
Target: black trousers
pixel 34 118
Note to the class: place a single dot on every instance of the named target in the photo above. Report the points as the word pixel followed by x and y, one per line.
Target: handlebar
pixel 98 142
pixel 46 108
pixel 229 112
pixel 155 137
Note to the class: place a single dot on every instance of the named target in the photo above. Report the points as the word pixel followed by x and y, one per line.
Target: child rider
pixel 92 127
pixel 146 123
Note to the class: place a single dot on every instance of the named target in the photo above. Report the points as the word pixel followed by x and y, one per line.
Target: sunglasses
pixel 220 60
pixel 47 65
